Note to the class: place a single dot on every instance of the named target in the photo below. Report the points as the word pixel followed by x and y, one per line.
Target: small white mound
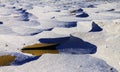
pixel 111 27
pixel 5 11
pixel 50 34
pixel 85 26
pixel 104 16
pixel 6 30
pixel 107 44
pixel 12 43
pixel 65 31
pixel 55 23
pixel 44 14
pixel 26 31
pixel 108 6
pixel 82 26
pixel 63 63
pixel 12 22
pixel 116 21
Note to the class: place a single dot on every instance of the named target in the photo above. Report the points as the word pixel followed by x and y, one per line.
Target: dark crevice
pixel 95 28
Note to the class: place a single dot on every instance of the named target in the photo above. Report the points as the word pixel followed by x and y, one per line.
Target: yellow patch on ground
pixel 38 45
pixel 6 60
pixel 39 49
pixel 40 52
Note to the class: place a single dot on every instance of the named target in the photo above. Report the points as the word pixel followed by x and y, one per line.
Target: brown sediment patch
pixel 39 49
pixel 39 46
pixel 6 60
pixel 40 52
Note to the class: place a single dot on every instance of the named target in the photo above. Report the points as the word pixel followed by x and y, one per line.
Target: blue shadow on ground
pixel 71 45
pixel 83 15
pixel 54 40
pixel 25 59
pixel 77 46
pixel 95 28
pixel 1 22
pixel 71 24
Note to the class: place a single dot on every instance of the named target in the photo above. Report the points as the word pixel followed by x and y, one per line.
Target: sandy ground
pixel 87 35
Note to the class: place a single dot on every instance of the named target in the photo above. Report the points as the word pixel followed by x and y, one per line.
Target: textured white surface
pixel 24 22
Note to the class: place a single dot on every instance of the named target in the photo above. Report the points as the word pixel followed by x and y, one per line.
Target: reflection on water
pixel 6 60
pixel 39 49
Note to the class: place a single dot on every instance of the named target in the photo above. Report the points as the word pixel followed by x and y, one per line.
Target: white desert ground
pixel 87 33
